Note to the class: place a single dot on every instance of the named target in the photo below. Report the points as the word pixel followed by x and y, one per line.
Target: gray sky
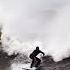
pixel 28 19
pixel 46 21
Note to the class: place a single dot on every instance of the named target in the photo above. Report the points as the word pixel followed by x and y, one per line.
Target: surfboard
pixel 29 68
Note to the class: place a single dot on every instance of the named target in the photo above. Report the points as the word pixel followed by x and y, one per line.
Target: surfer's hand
pixel 43 54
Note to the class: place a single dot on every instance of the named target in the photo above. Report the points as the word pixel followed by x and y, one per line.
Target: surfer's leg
pixel 38 62
pixel 32 63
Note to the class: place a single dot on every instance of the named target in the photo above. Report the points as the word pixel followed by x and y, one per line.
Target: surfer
pixel 34 57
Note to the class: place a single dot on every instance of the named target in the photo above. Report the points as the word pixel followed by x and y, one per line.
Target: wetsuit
pixel 33 57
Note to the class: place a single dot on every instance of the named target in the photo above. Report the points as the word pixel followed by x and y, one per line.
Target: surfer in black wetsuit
pixel 33 56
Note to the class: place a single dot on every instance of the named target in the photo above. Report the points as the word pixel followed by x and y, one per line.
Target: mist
pixel 31 23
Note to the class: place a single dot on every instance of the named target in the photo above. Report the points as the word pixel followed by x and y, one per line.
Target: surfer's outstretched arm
pixel 42 53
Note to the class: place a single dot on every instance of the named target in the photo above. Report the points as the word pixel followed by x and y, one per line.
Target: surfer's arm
pixel 42 53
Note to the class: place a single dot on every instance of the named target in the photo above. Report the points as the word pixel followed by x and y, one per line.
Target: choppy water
pixel 19 66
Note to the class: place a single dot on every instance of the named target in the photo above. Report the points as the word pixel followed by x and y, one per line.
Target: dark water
pixel 5 60
pixel 4 65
